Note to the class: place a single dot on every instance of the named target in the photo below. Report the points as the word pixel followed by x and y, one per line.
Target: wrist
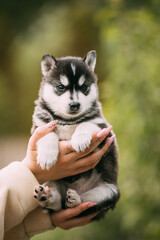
pixel 34 169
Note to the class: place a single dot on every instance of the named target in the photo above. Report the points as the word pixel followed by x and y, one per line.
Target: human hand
pixel 67 218
pixel 69 162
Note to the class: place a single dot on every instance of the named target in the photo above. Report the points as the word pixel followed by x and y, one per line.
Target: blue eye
pixel 60 88
pixel 84 88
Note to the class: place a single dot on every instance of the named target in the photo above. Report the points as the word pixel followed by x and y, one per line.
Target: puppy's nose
pixel 74 106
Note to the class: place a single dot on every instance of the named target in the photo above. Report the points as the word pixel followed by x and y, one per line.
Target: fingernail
pixel 104 132
pixel 92 205
pixel 110 140
pixel 51 124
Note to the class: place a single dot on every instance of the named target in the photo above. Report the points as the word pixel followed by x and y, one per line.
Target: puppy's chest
pixel 65 131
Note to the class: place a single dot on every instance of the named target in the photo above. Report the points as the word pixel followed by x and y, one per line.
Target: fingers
pixel 77 222
pixel 105 147
pixel 39 133
pixel 63 216
pixel 98 154
pixel 86 163
pixel 90 163
pixel 66 219
pixel 72 212
pixel 97 138
pixel 65 147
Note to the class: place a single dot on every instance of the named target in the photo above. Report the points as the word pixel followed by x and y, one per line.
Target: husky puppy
pixel 69 94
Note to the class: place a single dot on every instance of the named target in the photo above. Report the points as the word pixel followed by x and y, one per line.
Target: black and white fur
pixel 69 93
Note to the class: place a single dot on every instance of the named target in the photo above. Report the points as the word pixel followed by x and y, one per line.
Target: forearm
pixel 16 195
pixel 34 223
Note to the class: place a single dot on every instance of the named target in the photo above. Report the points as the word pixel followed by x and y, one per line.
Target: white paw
pixel 72 198
pixel 47 149
pixel 81 141
pixel 46 158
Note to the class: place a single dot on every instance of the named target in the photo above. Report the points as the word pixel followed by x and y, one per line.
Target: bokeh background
pixel 126 36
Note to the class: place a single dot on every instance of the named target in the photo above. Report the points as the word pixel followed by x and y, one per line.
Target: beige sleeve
pixel 16 202
pixel 35 222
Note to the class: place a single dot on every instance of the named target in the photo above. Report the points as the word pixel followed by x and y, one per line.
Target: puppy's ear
pixel 48 63
pixel 90 59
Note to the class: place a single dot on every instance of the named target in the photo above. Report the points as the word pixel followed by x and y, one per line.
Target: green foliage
pixel 126 35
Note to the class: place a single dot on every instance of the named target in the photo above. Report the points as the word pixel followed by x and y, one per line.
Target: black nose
pixel 74 106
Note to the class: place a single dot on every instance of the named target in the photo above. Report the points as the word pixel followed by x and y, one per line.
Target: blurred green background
pixel 126 36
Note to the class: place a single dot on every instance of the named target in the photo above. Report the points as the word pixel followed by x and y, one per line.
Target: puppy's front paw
pixel 47 157
pixel 81 141
pixel 72 198
pixel 47 149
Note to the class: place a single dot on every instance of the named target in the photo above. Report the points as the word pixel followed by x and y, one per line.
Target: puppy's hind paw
pixel 42 194
pixel 72 198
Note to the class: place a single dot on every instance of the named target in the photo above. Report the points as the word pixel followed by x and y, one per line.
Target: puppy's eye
pixel 61 88
pixel 84 88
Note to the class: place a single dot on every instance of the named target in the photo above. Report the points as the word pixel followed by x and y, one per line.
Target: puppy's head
pixel 69 84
